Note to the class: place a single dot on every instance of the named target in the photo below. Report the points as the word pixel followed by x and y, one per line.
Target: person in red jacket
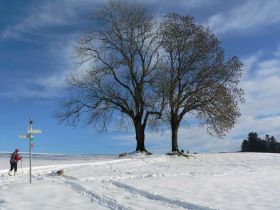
pixel 13 161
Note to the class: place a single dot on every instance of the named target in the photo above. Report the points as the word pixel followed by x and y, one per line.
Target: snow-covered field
pixel 236 181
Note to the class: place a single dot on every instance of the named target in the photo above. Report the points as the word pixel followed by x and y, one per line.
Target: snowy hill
pixel 226 181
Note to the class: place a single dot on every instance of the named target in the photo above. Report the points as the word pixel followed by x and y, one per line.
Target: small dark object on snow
pixel 178 153
pixel 60 172
pixel 148 153
pixel 182 151
pixel 123 154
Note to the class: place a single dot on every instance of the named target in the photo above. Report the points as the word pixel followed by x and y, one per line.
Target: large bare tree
pixel 121 50
pixel 197 77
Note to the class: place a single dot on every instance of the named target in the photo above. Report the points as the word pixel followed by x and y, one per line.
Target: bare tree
pixel 122 52
pixel 197 77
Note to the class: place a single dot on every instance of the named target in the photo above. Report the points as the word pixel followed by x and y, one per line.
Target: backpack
pixel 13 157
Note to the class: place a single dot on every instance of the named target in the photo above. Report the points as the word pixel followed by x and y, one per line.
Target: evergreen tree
pixel 254 143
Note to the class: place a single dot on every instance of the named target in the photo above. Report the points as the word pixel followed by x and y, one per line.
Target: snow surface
pixel 229 181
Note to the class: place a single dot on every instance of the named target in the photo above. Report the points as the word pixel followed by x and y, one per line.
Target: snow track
pixel 101 199
pixel 182 204
pixel 122 193
pixel 123 190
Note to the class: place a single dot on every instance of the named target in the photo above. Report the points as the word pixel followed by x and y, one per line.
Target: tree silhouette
pixel 255 144
pixel 121 51
pixel 197 77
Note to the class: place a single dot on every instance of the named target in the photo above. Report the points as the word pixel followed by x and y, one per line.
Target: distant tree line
pixel 254 143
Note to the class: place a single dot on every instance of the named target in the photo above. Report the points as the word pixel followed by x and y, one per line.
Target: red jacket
pixel 15 157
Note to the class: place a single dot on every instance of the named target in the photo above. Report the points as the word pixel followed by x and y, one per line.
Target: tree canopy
pixel 141 69
pixel 122 52
pixel 198 79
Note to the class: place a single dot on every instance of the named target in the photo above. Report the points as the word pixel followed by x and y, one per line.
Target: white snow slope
pixel 233 181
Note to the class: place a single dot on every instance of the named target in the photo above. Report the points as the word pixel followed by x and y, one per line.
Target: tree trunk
pixel 140 137
pixel 174 134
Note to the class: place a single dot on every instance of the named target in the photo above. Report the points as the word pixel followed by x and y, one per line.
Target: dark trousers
pixel 13 166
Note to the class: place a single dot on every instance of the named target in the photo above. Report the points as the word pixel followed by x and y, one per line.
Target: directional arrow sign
pixel 23 136
pixel 34 131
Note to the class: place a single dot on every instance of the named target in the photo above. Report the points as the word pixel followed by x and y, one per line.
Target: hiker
pixel 13 161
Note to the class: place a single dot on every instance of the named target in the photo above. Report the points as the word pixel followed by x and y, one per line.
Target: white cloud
pixel 277 52
pixel 251 61
pixel 30 92
pixel 269 68
pixel 47 14
pixel 260 112
pixel 249 15
pixel 53 82
pixel 40 15
pixel 50 87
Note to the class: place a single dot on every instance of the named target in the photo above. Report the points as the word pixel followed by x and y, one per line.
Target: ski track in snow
pixel 148 197
pixel 112 203
pixel 101 199
pixel 182 204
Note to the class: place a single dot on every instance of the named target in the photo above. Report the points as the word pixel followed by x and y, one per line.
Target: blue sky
pixel 36 55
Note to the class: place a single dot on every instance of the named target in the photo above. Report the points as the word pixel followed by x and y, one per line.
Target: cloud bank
pixel 248 15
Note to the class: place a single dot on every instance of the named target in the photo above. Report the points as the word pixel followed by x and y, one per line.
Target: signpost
pixel 29 136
